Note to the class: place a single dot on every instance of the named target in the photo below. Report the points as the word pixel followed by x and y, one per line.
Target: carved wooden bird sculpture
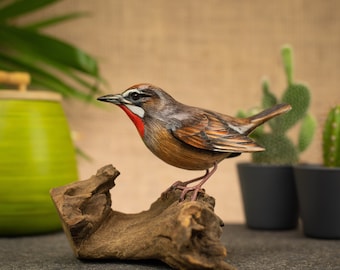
pixel 188 137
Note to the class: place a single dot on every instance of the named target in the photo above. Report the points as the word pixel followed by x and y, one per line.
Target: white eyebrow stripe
pixel 127 92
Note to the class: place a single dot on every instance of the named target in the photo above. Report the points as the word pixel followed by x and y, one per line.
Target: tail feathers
pixel 258 119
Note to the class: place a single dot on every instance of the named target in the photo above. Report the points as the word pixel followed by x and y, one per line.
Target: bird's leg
pixel 197 188
pixel 183 185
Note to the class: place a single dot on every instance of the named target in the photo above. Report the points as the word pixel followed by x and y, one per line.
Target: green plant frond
pixel 44 46
pixel 69 70
pixel 25 53
pixel 38 76
pixel 55 20
pixel 42 78
pixel 20 7
pixel 307 131
pixel 91 88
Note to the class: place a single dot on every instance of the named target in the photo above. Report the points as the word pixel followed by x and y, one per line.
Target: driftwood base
pixel 183 235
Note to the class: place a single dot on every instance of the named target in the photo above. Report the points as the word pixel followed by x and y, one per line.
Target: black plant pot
pixel 269 196
pixel 319 198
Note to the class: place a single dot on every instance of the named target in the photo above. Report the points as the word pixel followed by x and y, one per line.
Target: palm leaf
pixel 21 7
pixel 52 48
pixel 69 60
pixel 53 63
pixel 41 77
pixel 54 20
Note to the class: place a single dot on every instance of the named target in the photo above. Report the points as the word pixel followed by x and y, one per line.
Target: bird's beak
pixel 115 99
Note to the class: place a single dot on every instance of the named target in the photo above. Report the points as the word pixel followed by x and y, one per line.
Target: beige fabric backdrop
pixel 211 54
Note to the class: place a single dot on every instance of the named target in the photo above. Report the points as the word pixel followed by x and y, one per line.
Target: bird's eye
pixel 134 96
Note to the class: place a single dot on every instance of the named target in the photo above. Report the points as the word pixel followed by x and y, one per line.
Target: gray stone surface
pixel 247 249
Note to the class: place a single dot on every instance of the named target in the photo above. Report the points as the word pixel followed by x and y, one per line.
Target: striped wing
pixel 214 132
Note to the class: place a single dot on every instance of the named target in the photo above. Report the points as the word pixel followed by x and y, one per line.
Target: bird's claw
pixel 195 189
pixel 185 189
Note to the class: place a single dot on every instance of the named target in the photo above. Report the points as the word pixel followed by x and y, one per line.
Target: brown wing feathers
pixel 222 133
pixel 213 133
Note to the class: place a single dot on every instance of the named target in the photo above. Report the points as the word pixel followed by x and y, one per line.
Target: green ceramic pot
pixel 36 154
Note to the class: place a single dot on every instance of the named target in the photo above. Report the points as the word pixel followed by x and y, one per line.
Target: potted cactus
pixel 267 183
pixel 319 186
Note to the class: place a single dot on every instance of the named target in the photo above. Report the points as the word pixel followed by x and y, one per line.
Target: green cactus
pixel 331 138
pixel 280 149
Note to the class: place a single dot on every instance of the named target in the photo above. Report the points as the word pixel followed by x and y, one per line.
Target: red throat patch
pixel 135 119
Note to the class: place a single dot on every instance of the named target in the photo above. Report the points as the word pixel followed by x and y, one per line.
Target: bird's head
pixel 140 100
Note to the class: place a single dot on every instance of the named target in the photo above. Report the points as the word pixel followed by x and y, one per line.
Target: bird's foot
pixel 196 189
pixel 185 189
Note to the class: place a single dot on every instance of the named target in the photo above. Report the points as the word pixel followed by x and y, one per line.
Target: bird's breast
pixel 164 145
